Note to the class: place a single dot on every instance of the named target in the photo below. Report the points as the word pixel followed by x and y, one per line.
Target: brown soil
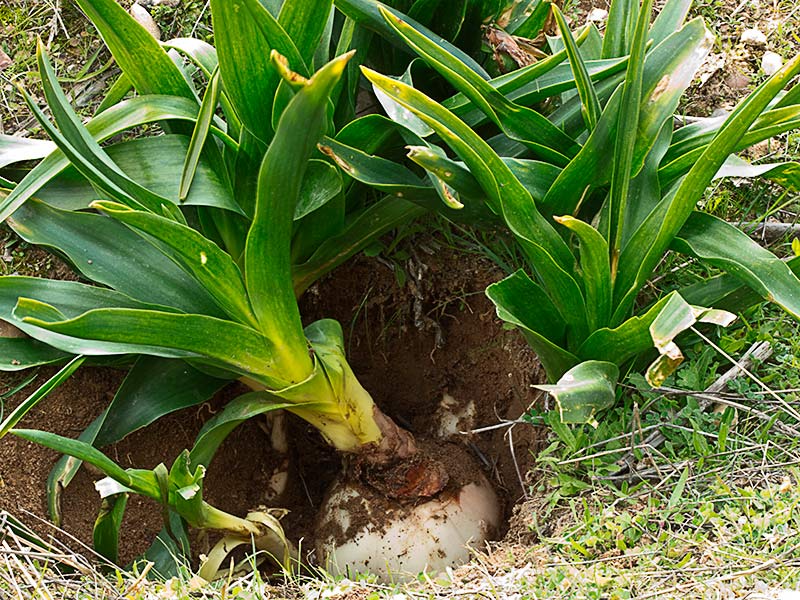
pixel 409 346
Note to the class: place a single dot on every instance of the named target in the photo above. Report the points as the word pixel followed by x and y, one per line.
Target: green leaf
pixel 546 250
pixel 235 413
pixel 199 135
pixel 397 112
pixel 691 141
pixel 304 22
pixel 525 304
pixel 201 258
pixel 651 240
pixel 596 271
pixel 374 171
pixel 82 150
pixel 367 13
pixel 244 33
pixel 152 162
pixel 268 267
pixel 99 248
pixel 670 19
pixel 529 18
pixel 65 470
pixel 105 534
pixel 620 26
pixel 142 59
pixel 153 388
pixel 17 354
pixel 15 149
pixel 40 394
pixel 518 122
pixel 588 96
pixel 116 93
pixel 109 331
pixel 583 391
pixel 115 120
pixel 668 71
pixel 720 244
pixel 322 183
pixel 622 166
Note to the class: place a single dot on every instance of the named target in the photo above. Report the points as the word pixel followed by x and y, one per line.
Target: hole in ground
pixel 426 350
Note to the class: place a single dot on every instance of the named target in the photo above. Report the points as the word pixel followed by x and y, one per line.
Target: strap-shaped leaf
pixel 40 394
pixel 71 297
pixel 142 59
pixel 99 248
pixel 668 71
pixel 15 149
pixel 525 304
pixel 116 93
pixel 244 33
pixel 105 534
pixel 518 122
pixel 620 26
pixel 82 150
pixel 153 162
pixel 622 167
pixel 118 118
pixel 596 270
pixel 213 268
pixel 109 331
pixel 583 391
pixel 688 148
pixel 235 413
pixel 720 244
pixel 304 22
pixel 17 354
pixel 199 135
pixel 382 174
pixel 154 387
pixel 268 265
pixel 547 251
pixel 583 83
pixel 322 183
pixel 652 239
pixel 670 19
pixel 535 176
pixel 367 13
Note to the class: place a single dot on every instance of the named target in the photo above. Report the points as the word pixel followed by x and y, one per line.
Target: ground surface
pixel 717 517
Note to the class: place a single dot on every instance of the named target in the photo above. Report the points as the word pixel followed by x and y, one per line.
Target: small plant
pixel 611 188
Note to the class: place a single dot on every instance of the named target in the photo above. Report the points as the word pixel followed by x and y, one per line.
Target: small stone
pixel 597 15
pixel 754 37
pixel 771 62
pixel 5 60
pixel 144 19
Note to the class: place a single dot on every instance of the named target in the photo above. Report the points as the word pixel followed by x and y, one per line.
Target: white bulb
pixel 358 532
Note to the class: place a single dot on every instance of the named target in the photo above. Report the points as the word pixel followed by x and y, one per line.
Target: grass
pixel 715 509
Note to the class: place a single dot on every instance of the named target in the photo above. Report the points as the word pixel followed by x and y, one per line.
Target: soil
pixel 435 338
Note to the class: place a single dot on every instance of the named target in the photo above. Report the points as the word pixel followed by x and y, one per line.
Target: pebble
pixel 170 3
pixel 754 37
pixel 144 19
pixel 597 15
pixel 771 62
